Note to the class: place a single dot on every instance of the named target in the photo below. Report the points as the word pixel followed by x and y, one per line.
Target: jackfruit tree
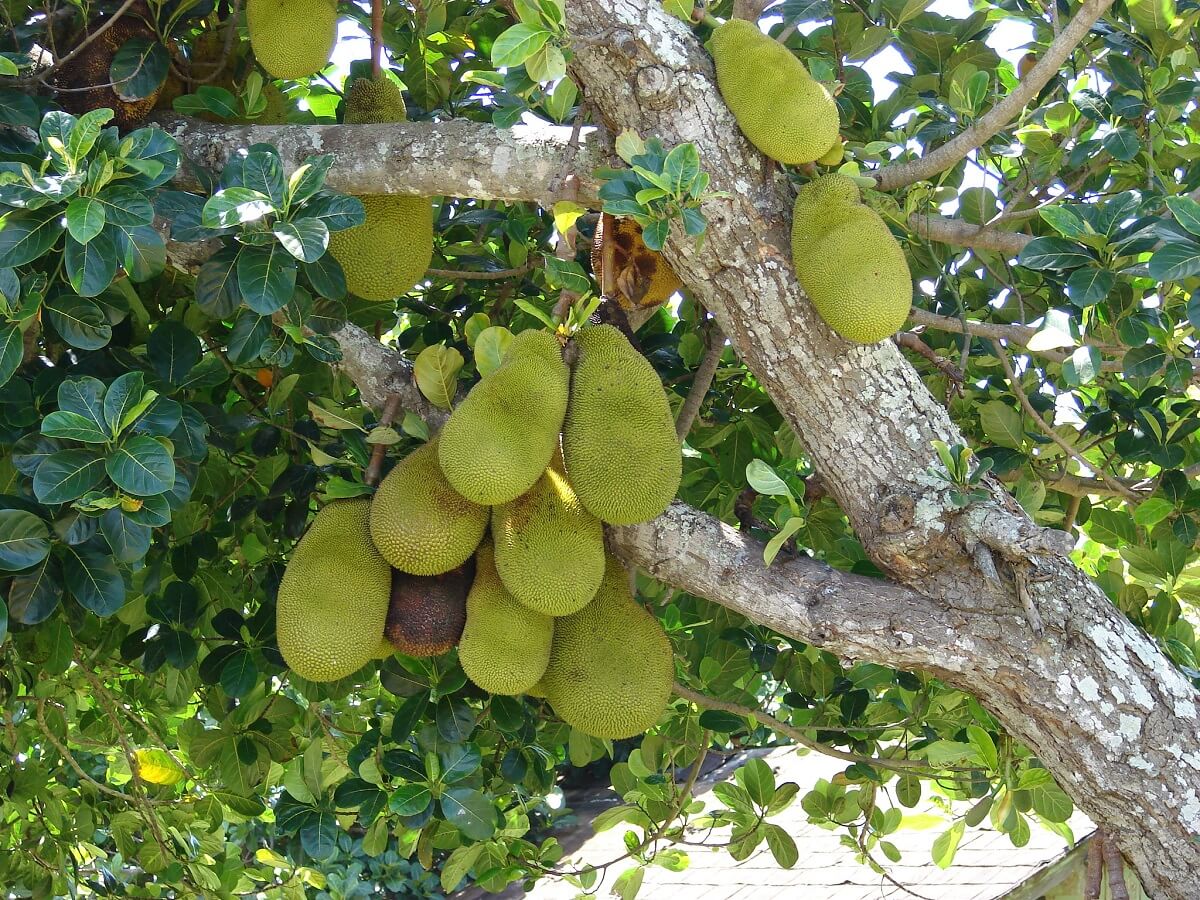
pixel 573 395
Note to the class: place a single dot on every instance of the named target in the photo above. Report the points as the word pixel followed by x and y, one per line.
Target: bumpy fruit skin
pixel 833 156
pixel 90 69
pixel 333 599
pixel 369 101
pixel 499 440
pixel 505 647
pixel 778 106
pixel 427 613
pixel 292 38
pixel 549 549
pixel 611 669
pixel 420 524
pixel 640 278
pixel 848 262
pixel 619 443
pixel 388 253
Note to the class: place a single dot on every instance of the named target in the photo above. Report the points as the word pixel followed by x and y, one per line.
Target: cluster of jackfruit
pixel 848 262
pixel 540 457
pixel 389 252
pixel 292 38
pixel 779 107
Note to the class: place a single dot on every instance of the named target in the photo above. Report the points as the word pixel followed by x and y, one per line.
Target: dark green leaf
pixel 12 349
pixel 24 236
pixel 24 540
pixel 1054 253
pixel 1172 262
pixel 239 675
pixel 354 792
pixel 410 799
pixel 235 206
pixel 143 251
pixel 1088 286
pixel 85 218
pixel 261 171
pixel 173 350
pixel 305 239
pixel 67 475
pixel 326 277
pixel 337 211
pixel 455 720
pixel 407 716
pixel 126 207
pixel 138 68
pixel 1123 143
pixel 91 267
pixel 266 277
pixel 319 835
pixel 73 427
pixel 216 284
pixel 94 581
pixel 129 540
pixel 81 322
pixel 142 466
pixel 721 721
pixel 469 811
pixel 1144 361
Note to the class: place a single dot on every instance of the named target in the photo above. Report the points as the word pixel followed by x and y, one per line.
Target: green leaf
pixel 490 347
pixel 1144 361
pixel 1088 286
pixel 12 351
pixel 85 218
pixel 93 580
pixel 763 479
pixel 308 179
pixel 141 466
pixel 126 207
pixel 7 66
pixel 143 252
pixel 239 674
pixel 470 812
pixel 266 277
pixel 235 206
pixel 128 539
pixel 1082 367
pixel 1054 253
pixel 1186 212
pixel 91 267
pixel 1171 262
pixel 80 321
pixel 775 544
pixel 410 799
pixel 73 427
pixel 122 397
pixel 436 372
pixel 217 290
pixel 305 239
pixel 628 883
pixel 1002 424
pixel 517 44
pixel 1152 511
pixel 681 168
pixel 758 780
pixel 319 835
pixel 24 236
pixel 946 845
pixel 458 864
pixel 138 68
pixel 1123 143
pixel 783 848
pixel 986 747
pixel 1051 802
pixel 24 540
pixel 173 351
pixel 67 475
pixel 722 721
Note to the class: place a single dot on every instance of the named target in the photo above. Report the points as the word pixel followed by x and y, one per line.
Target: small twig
pixel 82 45
pixel 1028 605
pixel 376 38
pixel 913 342
pixel 379 451
pixel 497 275
pixel 1046 429
pixel 994 120
pixel 896 765
pixel 702 381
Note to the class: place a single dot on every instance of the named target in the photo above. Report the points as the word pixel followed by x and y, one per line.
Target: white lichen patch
pixel 1130 727
pixel 1142 764
pixel 1089 690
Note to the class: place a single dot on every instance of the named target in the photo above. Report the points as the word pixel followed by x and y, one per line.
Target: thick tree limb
pixel 994 120
pixel 964 234
pixel 458 158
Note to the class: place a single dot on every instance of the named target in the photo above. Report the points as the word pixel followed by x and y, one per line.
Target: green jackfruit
pixel 619 443
pixel 549 549
pixel 292 38
pixel 388 253
pixel 538 690
pixel 385 649
pixel 419 523
pixel 611 668
pixel 833 156
pixel 499 440
pixel 778 106
pixel 506 646
pixel 848 262
pixel 426 613
pixel 333 600
pixel 369 101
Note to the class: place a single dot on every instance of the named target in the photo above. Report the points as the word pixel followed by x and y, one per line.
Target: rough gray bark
pixel 1107 713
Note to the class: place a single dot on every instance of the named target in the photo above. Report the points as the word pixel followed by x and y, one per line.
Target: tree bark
pixel 1104 709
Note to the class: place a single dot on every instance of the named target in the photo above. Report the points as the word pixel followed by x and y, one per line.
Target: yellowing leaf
pixel 490 347
pixel 436 371
pixel 566 213
pixel 157 767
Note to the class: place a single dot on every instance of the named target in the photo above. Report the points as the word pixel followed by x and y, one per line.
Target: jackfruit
pixel 611 670
pixel 506 646
pixel 418 522
pixel 848 262
pixel 333 599
pixel 549 549
pixel 85 78
pixel 292 38
pixel 640 278
pixel 538 690
pixel 619 444
pixel 388 253
pixel 426 614
pixel 277 108
pixel 385 649
pixel 833 156
pixel 778 106
pixel 499 440
pixel 370 101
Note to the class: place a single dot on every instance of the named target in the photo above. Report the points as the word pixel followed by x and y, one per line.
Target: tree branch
pixel 458 158
pixel 964 234
pixel 994 120
pixel 701 382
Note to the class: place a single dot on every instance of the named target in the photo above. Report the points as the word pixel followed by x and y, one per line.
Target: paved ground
pixel 985 868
